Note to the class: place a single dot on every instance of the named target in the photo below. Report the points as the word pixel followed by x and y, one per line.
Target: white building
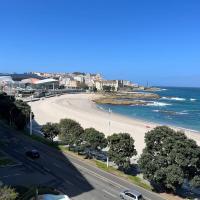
pixel 69 82
pixel 79 78
pixel 6 80
pixel 90 79
pixel 112 83
pixel 47 84
pixel 64 80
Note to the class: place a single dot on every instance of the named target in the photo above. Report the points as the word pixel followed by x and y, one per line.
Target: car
pixel 33 154
pixel 54 197
pixel 131 195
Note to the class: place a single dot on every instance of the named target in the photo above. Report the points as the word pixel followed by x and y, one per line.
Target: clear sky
pixel 140 40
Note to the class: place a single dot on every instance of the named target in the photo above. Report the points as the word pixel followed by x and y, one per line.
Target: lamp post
pixel 11 116
pixel 10 89
pixel 109 124
pixel 31 124
pixel 36 193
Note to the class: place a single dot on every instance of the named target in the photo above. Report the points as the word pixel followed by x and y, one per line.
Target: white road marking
pixel 112 195
pixel 66 181
pixel 100 177
pixel 11 175
pixel 46 169
pixel 80 177
pixel 104 179
pixel 57 165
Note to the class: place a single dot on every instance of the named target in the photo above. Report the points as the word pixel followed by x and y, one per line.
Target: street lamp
pixel 31 124
pixel 109 124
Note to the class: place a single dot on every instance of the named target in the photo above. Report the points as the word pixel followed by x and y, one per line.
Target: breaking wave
pixel 171 112
pixel 174 98
pixel 155 103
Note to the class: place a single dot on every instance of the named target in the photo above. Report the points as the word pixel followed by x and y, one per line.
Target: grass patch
pixel 43 140
pixel 138 181
pixel 63 148
pixel 104 167
pixel 134 179
pixel 6 161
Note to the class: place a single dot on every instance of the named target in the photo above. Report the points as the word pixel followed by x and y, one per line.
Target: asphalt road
pixel 72 176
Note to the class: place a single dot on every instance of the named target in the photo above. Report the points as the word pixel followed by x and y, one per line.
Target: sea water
pixel 177 107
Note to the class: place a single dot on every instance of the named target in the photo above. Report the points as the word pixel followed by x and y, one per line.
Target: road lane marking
pixel 116 184
pixel 105 179
pixel 57 165
pixel 112 195
pixel 74 158
pixel 66 181
pixel 80 177
pixel 11 175
pixel 100 177
pixel 45 168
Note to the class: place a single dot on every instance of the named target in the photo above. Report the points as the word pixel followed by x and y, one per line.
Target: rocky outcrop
pixel 126 99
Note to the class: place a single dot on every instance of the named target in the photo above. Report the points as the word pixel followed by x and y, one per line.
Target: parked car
pixel 33 154
pixel 54 197
pixel 131 195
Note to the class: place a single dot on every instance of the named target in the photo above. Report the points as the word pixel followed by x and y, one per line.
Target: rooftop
pixel 48 80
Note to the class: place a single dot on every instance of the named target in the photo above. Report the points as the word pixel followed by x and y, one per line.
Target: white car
pixel 131 195
pixel 53 197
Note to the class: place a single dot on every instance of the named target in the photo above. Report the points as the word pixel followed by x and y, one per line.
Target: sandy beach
pixel 80 108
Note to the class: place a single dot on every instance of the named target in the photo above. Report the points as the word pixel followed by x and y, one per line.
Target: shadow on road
pixel 52 169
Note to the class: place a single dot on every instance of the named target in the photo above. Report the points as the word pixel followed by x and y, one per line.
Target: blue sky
pixel 157 40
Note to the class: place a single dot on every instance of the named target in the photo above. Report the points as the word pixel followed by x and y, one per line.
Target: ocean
pixel 177 106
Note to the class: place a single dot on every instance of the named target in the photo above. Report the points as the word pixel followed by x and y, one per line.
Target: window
pixel 130 195
pixel 140 197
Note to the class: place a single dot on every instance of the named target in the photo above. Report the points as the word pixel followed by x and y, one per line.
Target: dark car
pixel 33 154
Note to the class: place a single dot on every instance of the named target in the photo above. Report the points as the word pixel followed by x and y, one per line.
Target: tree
pixel 6 104
pixel 106 88
pixel 83 86
pixel 21 114
pixel 70 132
pixel 50 130
pixel 94 139
pixel 94 89
pixel 169 158
pixel 113 88
pixel 7 193
pixel 15 112
pixel 121 149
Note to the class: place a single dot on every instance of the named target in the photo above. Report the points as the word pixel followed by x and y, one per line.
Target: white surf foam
pixel 178 99
pixel 171 112
pixel 182 113
pixel 174 98
pixel 156 103
pixel 156 110
pixel 192 99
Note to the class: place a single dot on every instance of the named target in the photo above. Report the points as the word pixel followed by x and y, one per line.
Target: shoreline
pixel 151 122
pixel 81 108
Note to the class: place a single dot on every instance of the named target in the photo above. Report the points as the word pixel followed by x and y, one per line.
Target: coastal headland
pixel 83 109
